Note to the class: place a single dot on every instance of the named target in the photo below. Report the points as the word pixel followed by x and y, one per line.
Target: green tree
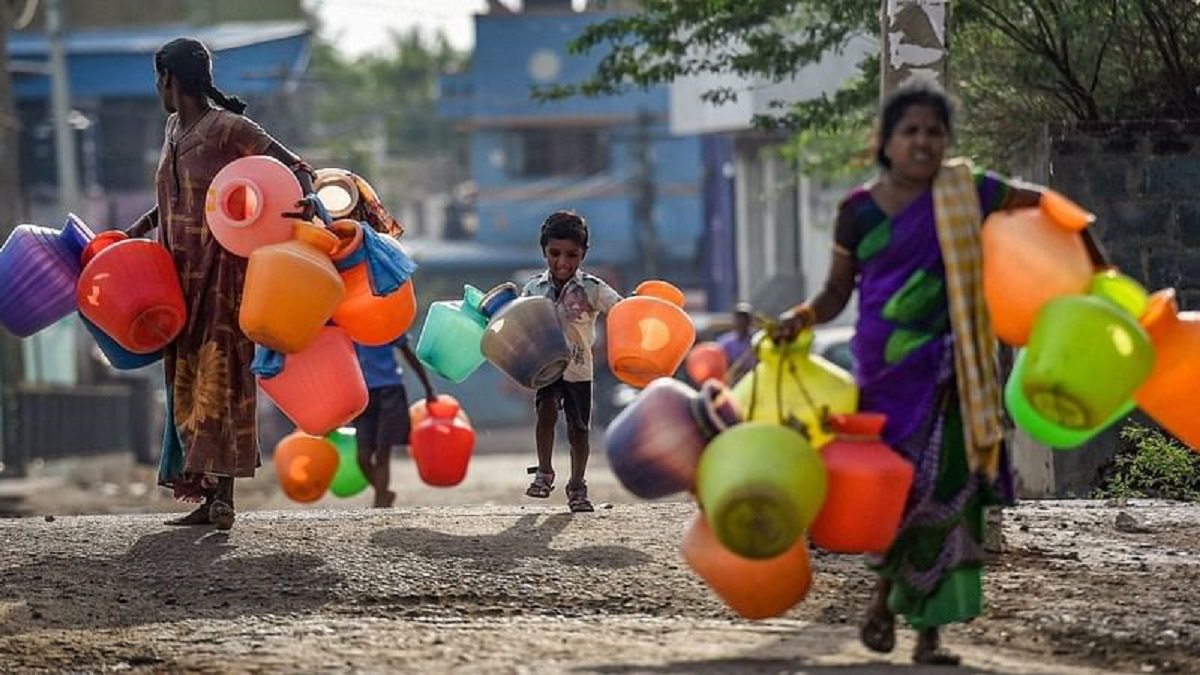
pixel 1013 63
pixel 393 92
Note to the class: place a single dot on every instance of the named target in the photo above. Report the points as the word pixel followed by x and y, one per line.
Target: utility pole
pixel 916 45
pixel 645 194
pixel 60 108
pixel 915 42
pixel 11 372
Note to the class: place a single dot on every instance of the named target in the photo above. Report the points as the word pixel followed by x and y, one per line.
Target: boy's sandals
pixel 542 485
pixel 577 498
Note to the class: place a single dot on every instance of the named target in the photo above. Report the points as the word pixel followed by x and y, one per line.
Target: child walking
pixel 579 298
pixel 385 422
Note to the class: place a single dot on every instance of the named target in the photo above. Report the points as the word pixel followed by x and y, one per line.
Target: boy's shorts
pixel 575 399
pixel 385 422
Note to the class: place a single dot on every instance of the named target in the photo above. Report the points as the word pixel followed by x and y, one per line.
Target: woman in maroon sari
pixel 924 356
pixel 211 435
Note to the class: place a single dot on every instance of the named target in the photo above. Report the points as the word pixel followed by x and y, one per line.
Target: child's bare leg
pixel 366 464
pixel 580 450
pixel 543 480
pixel 382 478
pixel 547 418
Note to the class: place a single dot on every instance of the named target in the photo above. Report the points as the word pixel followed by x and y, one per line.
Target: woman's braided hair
pixel 190 63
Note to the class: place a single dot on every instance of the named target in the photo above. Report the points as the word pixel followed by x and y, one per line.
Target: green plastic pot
pixel 761 485
pixel 1085 358
pixel 1120 290
pixel 1041 429
pixel 349 479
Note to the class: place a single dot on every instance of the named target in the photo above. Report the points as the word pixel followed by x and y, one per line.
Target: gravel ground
pixel 479 578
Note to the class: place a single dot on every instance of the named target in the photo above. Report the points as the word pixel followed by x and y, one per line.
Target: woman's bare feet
pixel 385 499
pixel 193 519
pixel 221 514
pixel 878 630
pixel 929 651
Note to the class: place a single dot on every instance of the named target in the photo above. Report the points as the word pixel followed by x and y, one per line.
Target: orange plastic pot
pixel 1064 212
pixel 100 242
pixel 442 444
pixel 649 334
pixel 369 319
pixel 706 361
pixel 246 201
pixel 305 466
pixel 1028 260
pixel 129 289
pixel 867 487
pixel 1169 394
pixel 320 388
pixel 291 290
pixel 755 589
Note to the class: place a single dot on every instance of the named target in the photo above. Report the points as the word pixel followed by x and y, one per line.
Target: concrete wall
pixel 1142 180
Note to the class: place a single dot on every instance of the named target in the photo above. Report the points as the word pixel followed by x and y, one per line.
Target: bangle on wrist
pixel 806 314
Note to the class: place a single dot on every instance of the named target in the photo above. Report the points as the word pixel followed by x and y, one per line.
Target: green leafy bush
pixel 1152 465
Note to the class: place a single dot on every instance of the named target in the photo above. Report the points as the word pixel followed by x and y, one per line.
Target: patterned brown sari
pixel 211 430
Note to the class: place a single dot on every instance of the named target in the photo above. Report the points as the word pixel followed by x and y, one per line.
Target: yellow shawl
pixel 958 213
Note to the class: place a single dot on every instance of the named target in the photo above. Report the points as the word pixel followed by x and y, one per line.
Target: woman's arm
pixel 141 226
pixel 827 303
pixel 839 285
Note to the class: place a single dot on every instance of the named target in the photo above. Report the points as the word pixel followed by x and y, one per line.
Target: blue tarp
pixel 249 58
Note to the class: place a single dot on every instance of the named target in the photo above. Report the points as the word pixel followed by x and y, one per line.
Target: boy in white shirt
pixel 579 298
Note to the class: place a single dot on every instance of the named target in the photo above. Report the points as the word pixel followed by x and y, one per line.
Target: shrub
pixel 1151 465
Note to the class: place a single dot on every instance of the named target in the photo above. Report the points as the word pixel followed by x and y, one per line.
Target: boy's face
pixel 563 257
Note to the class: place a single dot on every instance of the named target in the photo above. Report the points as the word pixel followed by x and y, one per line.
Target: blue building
pixel 117 116
pixel 612 159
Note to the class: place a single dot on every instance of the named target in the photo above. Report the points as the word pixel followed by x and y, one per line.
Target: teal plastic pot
pixel 449 341
pixel 1085 358
pixel 761 485
pixel 1041 429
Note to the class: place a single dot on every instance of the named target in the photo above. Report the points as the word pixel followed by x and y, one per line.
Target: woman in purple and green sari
pixel 890 247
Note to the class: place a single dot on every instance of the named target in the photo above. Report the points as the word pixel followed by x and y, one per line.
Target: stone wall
pixel 1142 180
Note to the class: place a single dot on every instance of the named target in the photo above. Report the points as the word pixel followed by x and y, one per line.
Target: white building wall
pixel 784 221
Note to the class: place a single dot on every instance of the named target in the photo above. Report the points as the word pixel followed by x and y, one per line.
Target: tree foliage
pixel 1013 63
pixel 392 93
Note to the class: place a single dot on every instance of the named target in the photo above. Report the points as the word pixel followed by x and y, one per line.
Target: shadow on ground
pixel 177 574
pixel 525 539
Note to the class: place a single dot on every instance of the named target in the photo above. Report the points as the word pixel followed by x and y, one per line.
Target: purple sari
pixel 912 381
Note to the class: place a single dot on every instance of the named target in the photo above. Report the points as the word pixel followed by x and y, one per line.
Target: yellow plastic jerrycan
pixel 790 383
pixel 291 290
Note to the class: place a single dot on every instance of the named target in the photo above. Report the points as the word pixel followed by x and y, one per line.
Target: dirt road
pixel 481 579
